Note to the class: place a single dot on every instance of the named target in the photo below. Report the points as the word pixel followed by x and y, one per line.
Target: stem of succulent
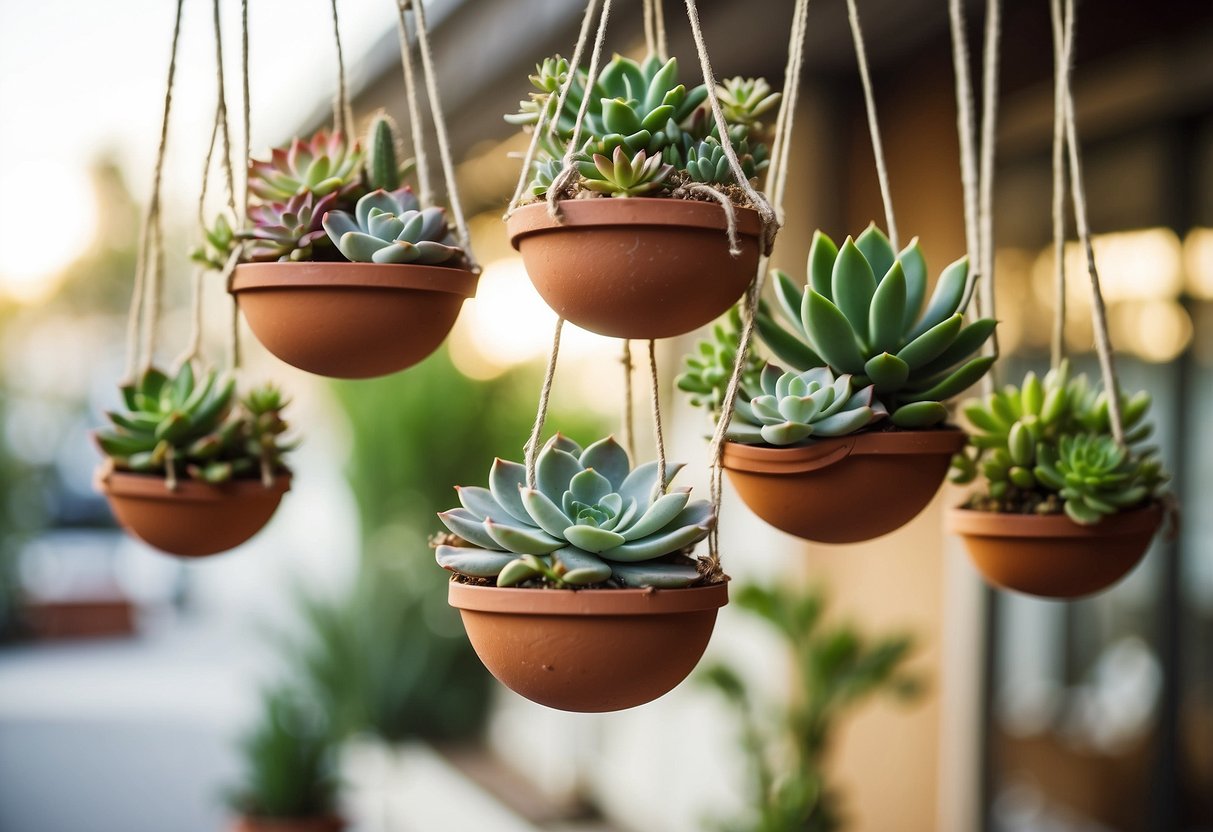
pixel 424 191
pixel 1103 341
pixel 568 169
pixel 152 219
pixel 545 394
pixel 882 171
pixel 770 224
pixel 444 145
pixel 658 435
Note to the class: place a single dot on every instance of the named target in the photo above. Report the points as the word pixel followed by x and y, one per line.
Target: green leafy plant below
pixel 835 669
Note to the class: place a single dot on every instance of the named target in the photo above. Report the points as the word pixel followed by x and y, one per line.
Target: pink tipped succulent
pixel 323 165
pixel 288 230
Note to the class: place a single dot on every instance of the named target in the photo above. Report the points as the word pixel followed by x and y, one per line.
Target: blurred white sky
pixel 79 78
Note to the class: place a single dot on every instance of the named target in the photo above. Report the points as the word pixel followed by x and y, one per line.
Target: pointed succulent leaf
pixel 475 563
pixel 887 310
pixel 468 526
pixel 656 575
pixel 919 415
pixel 505 481
pixel 946 299
pixel 592 539
pixel 822 254
pixel 523 541
pixel 853 283
pixel 831 334
pixel 608 458
pixel 581 568
pixel 876 249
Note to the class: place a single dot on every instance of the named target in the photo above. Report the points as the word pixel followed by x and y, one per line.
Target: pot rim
pixel 975 523
pixel 152 486
pixel 764 459
pixel 329 275
pixel 578 602
pixel 649 211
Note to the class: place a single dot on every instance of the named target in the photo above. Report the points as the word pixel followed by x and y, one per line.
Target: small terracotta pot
pixel 589 650
pixel 351 320
pixel 1051 556
pixel 332 823
pixel 843 490
pixel 195 520
pixel 636 268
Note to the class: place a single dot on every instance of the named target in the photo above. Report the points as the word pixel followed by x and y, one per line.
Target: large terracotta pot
pixel 589 650
pixel 843 490
pixel 1051 556
pixel 636 268
pixel 332 823
pixel 195 520
pixel 351 320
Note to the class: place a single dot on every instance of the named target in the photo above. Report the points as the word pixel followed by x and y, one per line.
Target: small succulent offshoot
pixel 863 313
pixel 620 176
pixel 798 406
pixel 218 243
pixel 288 231
pixel 390 228
pixel 746 100
pixel 591 519
pixel 193 424
pixel 707 371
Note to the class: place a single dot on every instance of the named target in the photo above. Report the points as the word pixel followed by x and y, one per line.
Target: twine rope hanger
pixel 1063 31
pixel 139 349
pixel 777 176
pixel 978 182
pixel 420 158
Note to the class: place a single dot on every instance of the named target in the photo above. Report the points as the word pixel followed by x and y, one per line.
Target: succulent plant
pixel 546 171
pixel 191 424
pixel 384 170
pixel 389 228
pixel 862 313
pixel 1095 476
pixel 323 165
pixel 591 519
pixel 707 371
pixel 288 231
pixel 1017 441
pixel 746 100
pixel 219 241
pixel 796 406
pixel 621 176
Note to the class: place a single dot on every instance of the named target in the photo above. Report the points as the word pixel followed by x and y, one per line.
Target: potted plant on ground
pixel 344 274
pixel 1063 511
pixel 290 781
pixel 635 245
pixel 191 469
pixel 577 589
pixel 863 412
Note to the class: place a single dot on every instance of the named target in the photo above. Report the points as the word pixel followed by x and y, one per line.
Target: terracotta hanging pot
pixel 637 267
pixel 1051 556
pixel 323 824
pixel 351 320
pixel 197 519
pixel 843 490
pixel 589 650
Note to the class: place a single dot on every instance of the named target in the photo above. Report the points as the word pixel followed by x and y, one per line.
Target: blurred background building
pixel 1096 715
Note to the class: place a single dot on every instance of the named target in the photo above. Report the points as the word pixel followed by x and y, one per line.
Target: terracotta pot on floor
pixel 195 520
pixel 325 824
pixel 637 267
pixel 843 490
pixel 589 650
pixel 351 320
pixel 1051 556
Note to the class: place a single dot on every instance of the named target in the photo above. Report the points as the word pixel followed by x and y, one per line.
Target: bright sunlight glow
pixel 46 231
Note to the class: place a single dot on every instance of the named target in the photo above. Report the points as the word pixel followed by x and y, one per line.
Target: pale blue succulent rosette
pixel 590 519
pixel 794 408
pixel 390 227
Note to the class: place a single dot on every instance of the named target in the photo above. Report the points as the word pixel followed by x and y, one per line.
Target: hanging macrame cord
pixel 149 242
pixel 532 446
pixel 882 171
pixel 420 159
pixel 343 117
pixel 1057 350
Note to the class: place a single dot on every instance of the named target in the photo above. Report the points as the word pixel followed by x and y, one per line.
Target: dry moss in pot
pixel 579 592
pixel 862 409
pixel 344 273
pixel 1061 510
pixel 637 247
pixel 190 469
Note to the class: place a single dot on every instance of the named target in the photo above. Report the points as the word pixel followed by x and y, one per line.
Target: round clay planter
pixel 843 490
pixel 351 320
pixel 1051 556
pixel 197 519
pixel 636 268
pixel 589 650
pixel 331 823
